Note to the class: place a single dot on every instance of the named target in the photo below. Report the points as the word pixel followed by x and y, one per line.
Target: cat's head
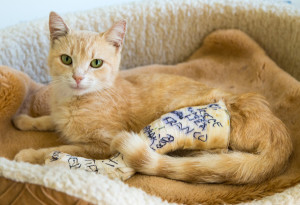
pixel 81 62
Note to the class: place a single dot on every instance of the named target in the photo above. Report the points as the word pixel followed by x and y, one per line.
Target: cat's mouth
pixel 77 87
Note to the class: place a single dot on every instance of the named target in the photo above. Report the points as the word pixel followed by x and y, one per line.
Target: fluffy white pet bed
pixel 164 32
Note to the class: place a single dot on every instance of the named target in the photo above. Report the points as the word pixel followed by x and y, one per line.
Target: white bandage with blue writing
pixel 197 128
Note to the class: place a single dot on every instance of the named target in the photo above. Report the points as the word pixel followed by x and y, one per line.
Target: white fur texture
pixel 97 189
pixel 161 31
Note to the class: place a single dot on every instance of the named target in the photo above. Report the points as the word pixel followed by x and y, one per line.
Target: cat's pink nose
pixel 77 78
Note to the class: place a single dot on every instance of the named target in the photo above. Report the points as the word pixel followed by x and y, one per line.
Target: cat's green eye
pixel 96 63
pixel 67 60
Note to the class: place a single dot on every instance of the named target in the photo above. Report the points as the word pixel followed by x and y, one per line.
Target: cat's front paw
pixel 30 155
pixel 23 122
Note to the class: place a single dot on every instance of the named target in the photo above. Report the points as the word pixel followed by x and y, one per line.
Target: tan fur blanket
pixel 227 59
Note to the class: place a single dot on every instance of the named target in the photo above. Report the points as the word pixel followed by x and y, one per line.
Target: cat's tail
pixel 233 167
pixel 229 167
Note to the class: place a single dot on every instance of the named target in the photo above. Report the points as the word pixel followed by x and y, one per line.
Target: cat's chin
pixel 79 90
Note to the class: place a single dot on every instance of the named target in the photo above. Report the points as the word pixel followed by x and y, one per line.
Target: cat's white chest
pixel 72 121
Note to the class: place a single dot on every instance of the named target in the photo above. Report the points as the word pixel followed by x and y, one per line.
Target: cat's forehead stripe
pixel 80 47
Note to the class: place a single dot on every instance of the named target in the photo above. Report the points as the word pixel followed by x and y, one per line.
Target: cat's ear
pixel 116 34
pixel 57 26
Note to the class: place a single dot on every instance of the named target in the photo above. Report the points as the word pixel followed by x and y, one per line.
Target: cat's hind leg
pixel 194 128
pixel 260 143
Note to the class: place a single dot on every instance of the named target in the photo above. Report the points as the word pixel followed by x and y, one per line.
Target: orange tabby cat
pixel 98 113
